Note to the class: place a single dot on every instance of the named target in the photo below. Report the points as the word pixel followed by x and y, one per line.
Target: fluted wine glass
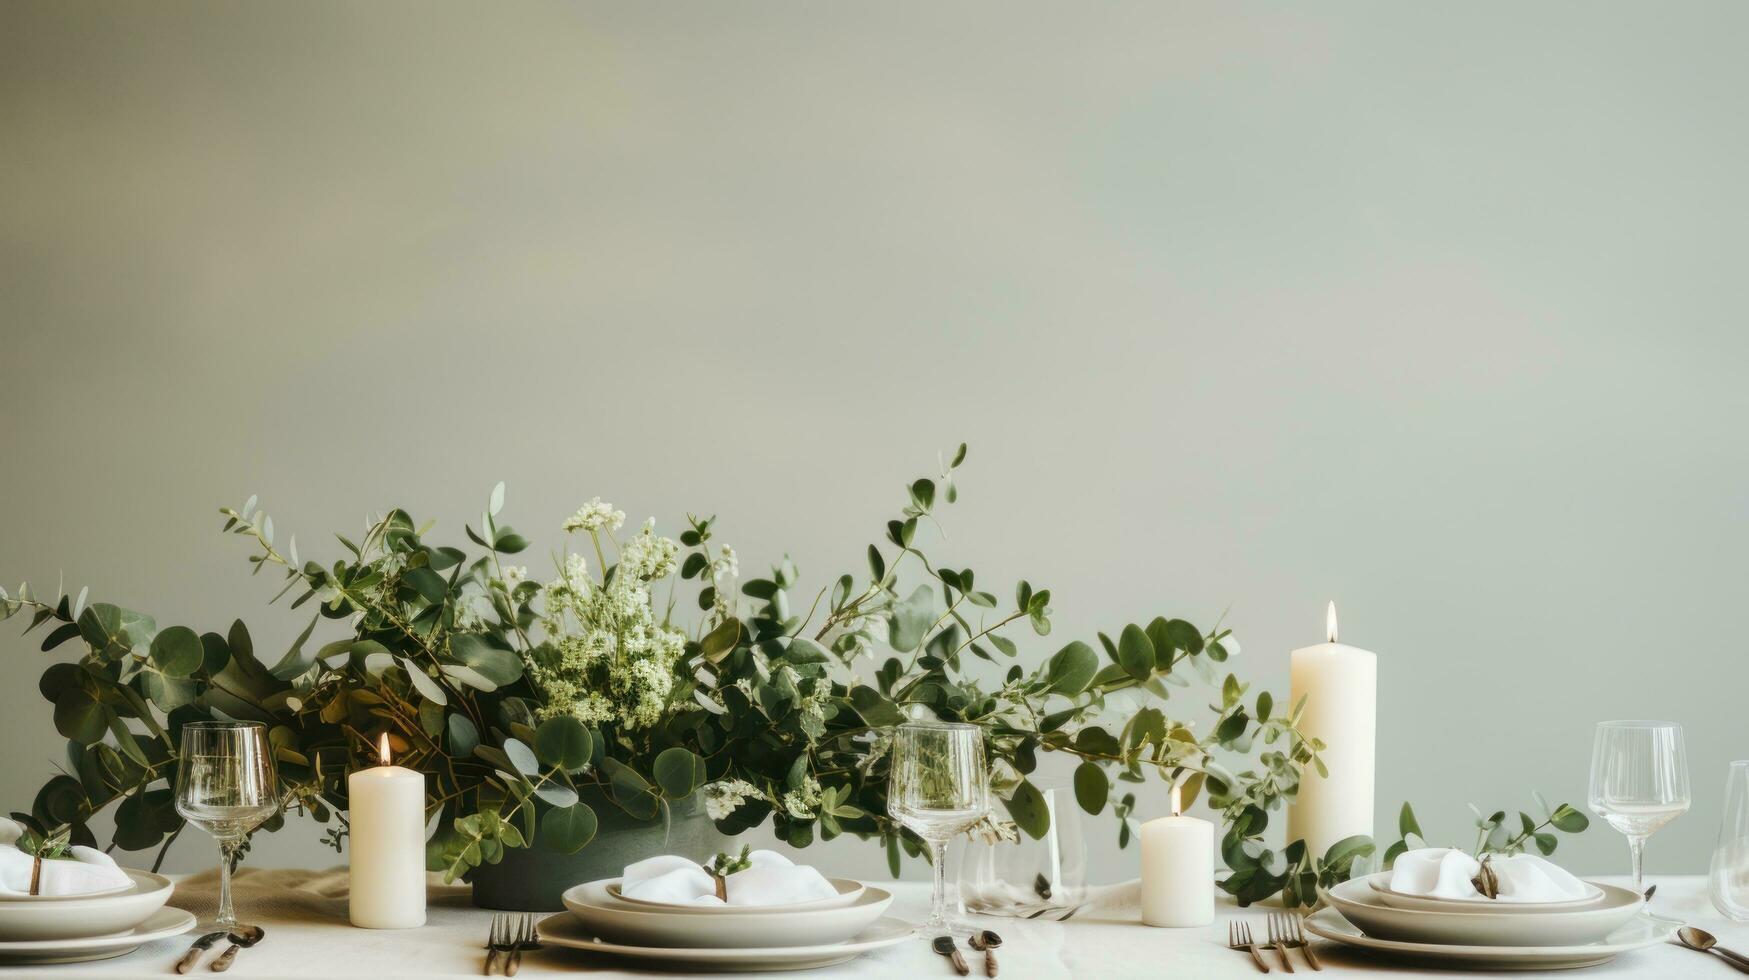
pixel 1639 781
pixel 938 788
pixel 226 786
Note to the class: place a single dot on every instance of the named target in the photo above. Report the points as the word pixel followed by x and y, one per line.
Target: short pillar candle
pixel 1178 870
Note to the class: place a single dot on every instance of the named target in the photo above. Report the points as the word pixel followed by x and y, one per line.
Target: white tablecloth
pixel 308 938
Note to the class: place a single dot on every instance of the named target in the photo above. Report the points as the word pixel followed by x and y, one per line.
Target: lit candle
pixel 1341 687
pixel 387 825
pixel 1178 870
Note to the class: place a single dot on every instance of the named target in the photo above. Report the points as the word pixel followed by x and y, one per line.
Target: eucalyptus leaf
pixel 1092 787
pixel 1028 809
pixel 567 830
pixel 563 743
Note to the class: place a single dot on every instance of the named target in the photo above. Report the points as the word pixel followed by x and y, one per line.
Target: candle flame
pixel 1177 801
pixel 1330 622
pixel 383 748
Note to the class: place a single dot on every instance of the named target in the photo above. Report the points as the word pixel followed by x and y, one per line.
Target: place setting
pixel 68 903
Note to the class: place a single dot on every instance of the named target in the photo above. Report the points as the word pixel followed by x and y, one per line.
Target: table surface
pixel 1116 945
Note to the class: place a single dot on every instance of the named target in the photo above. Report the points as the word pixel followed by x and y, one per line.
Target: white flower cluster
pixel 726 796
pixel 606 656
pixel 801 803
pixel 647 556
pixel 594 516
pixel 726 564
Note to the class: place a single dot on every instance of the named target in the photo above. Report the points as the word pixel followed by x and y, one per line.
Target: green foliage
pixel 776 710
pixel 1495 834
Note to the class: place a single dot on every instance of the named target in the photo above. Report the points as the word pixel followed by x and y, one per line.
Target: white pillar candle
pixel 386 818
pixel 1341 687
pixel 1178 870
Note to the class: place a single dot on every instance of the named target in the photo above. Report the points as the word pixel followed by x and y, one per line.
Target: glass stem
pixel 938 902
pixel 1637 848
pixel 227 916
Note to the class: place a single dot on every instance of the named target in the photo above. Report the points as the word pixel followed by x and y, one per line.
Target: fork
pixel 1286 932
pixel 525 939
pixel 1279 945
pixel 1239 937
pixel 498 942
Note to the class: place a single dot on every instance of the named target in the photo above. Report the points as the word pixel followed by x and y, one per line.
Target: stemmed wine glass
pixel 1639 780
pixel 938 788
pixel 226 786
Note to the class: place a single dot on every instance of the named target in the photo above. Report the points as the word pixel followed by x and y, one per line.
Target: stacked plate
pixel 727 937
pixel 1504 935
pixel 73 928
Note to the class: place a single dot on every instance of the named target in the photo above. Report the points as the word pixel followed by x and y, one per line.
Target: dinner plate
pixel 1360 905
pixel 161 924
pixel 1427 903
pixel 95 915
pixel 1642 930
pixel 562 929
pixel 595 908
pixel 848 892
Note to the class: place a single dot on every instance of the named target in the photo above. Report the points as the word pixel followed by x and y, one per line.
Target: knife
pixel 195 952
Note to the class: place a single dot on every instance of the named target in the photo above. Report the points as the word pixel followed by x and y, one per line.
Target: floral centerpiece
pixel 531 705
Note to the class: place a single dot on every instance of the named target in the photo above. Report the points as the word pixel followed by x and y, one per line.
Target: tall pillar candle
pixel 1178 870
pixel 1340 685
pixel 386 820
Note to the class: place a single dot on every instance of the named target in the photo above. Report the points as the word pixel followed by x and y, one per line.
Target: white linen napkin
pixel 1445 872
pixel 88 870
pixel 770 879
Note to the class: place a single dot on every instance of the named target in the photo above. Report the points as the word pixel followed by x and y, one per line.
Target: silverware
pixel 499 942
pixel 1649 890
pixel 525 939
pixel 1285 933
pixel 201 945
pixel 243 938
pixel 1705 942
pixel 1275 943
pixel 1239 937
pixel 986 942
pixel 945 946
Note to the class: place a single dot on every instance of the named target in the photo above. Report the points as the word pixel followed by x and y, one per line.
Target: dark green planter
pixel 531 879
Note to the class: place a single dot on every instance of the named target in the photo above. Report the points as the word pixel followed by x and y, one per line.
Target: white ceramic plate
pixel 561 929
pixel 74 918
pixel 848 892
pixel 595 908
pixel 1360 905
pixel 1426 903
pixel 161 924
pixel 1642 930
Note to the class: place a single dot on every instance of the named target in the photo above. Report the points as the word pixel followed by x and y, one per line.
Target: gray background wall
pixel 1435 310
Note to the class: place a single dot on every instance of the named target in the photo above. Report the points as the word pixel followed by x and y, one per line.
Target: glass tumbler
pixel 1728 877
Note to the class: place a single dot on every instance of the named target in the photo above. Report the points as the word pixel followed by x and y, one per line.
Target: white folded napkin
pixel 85 870
pixel 1444 872
pixel 770 879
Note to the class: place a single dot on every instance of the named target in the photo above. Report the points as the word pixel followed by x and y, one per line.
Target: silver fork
pixel 525 939
pixel 1286 931
pixel 497 942
pixel 1239 937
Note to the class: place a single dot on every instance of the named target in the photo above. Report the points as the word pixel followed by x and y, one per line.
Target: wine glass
pixel 939 787
pixel 225 785
pixel 1728 877
pixel 1639 780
